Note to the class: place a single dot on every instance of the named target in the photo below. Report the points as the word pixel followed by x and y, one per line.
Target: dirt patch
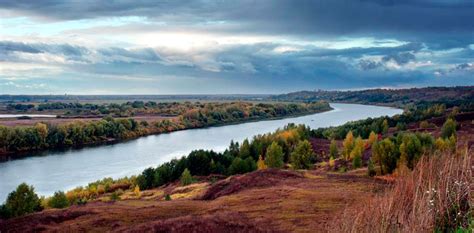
pixel 234 184
pixel 225 221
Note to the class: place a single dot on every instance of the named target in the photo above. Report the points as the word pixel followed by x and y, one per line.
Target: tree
pixel 261 163
pixel 302 156
pixel 348 144
pixel 136 191
pixel 21 201
pixel 372 138
pixel 385 126
pixel 145 180
pixel 357 162
pixel 384 153
pixel 274 156
pixel 333 150
pixel 241 166
pixel 58 200
pixel 449 128
pixel 186 178
pixel 358 148
pixel 244 151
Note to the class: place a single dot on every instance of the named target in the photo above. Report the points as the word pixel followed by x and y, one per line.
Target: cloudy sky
pixel 228 46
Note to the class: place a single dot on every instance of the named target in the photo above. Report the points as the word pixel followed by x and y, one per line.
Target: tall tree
pixel 274 156
pixel 302 156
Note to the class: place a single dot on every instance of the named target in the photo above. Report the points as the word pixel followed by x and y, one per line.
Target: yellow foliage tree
pixel 136 191
pixel 372 138
pixel 348 144
pixel 261 163
pixel 42 130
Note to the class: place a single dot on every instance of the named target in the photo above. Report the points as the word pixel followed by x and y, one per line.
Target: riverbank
pixel 71 133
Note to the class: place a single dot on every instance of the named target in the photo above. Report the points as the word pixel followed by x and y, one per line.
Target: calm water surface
pixel 52 171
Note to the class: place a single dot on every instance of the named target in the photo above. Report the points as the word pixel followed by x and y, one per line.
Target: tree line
pixel 79 133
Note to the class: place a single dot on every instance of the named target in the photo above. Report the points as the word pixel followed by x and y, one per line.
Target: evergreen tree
pixel 244 151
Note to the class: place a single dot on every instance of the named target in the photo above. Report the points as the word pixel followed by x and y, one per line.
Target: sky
pixel 232 47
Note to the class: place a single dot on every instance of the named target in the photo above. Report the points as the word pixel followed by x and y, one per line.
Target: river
pixel 63 170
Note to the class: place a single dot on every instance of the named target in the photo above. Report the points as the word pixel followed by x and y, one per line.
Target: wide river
pixel 63 170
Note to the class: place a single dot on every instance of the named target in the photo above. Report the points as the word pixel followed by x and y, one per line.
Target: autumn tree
pixel 348 144
pixel 261 163
pixel 274 156
pixel 42 130
pixel 373 137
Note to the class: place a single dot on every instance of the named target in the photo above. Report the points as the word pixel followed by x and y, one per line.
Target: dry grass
pixel 435 196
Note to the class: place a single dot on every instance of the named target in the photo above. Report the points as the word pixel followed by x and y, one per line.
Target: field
pixel 262 201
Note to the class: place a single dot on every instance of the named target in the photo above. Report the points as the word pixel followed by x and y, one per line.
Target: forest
pixel 449 96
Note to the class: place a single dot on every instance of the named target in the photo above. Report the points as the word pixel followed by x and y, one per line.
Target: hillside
pixel 393 97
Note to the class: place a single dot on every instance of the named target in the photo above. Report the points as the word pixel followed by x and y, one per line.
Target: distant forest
pixel 450 96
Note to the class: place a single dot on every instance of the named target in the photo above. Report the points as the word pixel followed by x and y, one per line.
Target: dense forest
pixel 449 96
pixel 185 116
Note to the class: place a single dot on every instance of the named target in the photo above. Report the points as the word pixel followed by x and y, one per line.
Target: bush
pixel 20 202
pixel 274 156
pixel 449 128
pixel 302 156
pixel 186 178
pixel 333 150
pixel 58 200
pixel 115 196
pixel 357 162
pixel 371 168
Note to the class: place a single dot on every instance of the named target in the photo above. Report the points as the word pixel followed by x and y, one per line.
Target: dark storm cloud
pixel 305 17
pixel 399 58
